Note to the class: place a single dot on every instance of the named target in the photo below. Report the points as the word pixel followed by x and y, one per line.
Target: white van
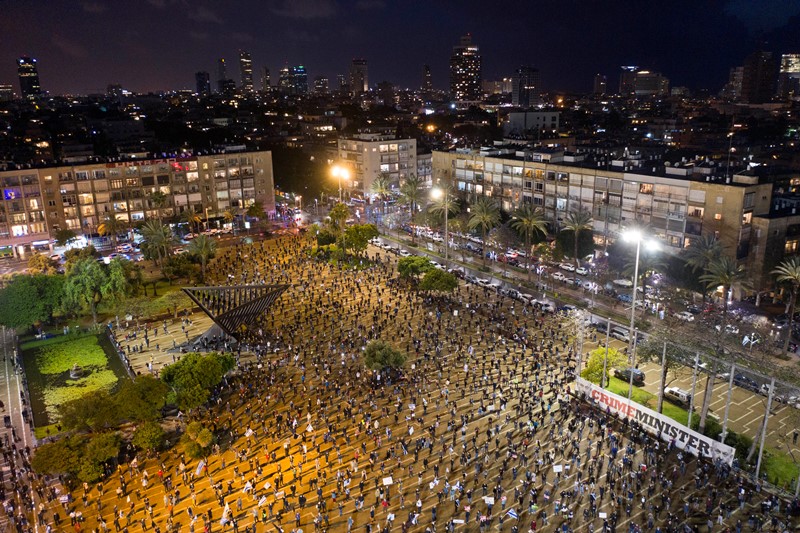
pixel 677 395
pixel 621 334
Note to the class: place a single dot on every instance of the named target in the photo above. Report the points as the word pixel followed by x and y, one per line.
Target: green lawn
pixel 650 400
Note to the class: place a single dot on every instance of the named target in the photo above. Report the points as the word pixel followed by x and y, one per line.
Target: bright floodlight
pixel 436 193
pixel 632 235
pixel 340 172
pixel 653 245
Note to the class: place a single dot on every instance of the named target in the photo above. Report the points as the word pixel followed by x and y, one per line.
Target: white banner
pixel 664 427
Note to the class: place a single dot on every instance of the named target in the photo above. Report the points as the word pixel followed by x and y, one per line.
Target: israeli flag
pixel 513 514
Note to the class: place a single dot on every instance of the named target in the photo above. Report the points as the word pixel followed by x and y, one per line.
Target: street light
pixel 342 173
pixel 635 235
pixel 206 212
pixel 442 194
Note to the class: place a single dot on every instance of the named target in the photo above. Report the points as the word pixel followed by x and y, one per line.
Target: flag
pixel 200 466
pixel 513 514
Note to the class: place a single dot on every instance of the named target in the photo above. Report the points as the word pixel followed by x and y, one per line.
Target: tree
pixel 177 267
pixel 675 358
pixel 255 210
pixel 158 200
pixel 382 185
pixel 193 377
pixel 42 264
pixel 192 219
pixel 198 440
pixel 92 412
pixel 789 272
pixel 148 436
pixel 446 202
pixel 484 216
pixel 75 255
pixel 357 237
pixel 86 286
pixel 701 252
pixel 101 447
pixel 158 241
pixel 203 248
pixel 593 370
pixel 438 280
pixel 529 221
pixel 30 300
pixel 62 456
pixel 230 215
pixel 139 400
pixel 413 266
pixel 723 272
pixel 576 222
pixel 380 356
pixel 112 226
pixel 65 236
pixel 338 215
pixel 126 274
pixel 410 195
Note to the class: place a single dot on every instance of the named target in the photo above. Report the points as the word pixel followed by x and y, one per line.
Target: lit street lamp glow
pixel 438 193
pixel 342 173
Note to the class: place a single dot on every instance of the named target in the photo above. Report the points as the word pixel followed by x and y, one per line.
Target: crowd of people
pixel 480 431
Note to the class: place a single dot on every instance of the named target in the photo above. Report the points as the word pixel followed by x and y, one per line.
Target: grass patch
pixel 42 432
pixel 33 342
pixel 59 356
pixel 780 469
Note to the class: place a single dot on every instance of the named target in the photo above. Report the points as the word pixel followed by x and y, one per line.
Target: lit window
pixel 718 216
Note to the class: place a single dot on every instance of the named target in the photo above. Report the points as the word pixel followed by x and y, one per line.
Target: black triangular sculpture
pixel 235 306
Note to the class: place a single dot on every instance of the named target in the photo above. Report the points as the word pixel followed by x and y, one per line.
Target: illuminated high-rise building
pixel 465 71
pixel 246 72
pixel 222 75
pixel 293 80
pixel 600 85
pixel 789 77
pixel 28 74
pixel 266 85
pixel 427 82
pixel 525 87
pixel 359 76
pixel 627 80
pixel 321 85
pixel 6 92
pixel 202 82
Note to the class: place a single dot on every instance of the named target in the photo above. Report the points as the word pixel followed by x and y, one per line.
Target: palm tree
pixel 111 225
pixel 528 221
pixel 158 200
pixel 191 218
pixel 484 215
pixel 576 222
pixel 204 248
pixel 789 272
pixel 230 214
pixel 446 203
pixel 158 240
pixel 722 271
pixel 703 251
pixel 382 185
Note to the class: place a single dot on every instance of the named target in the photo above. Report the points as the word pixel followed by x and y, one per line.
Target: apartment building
pixel 37 202
pixel 370 154
pixel 678 202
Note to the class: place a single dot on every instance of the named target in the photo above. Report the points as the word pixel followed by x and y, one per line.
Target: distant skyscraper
pixel 525 87
pixel 600 84
pixel 427 82
pixel 359 77
pixel 28 74
pixel 266 85
pixel 293 80
pixel 6 92
pixel 759 77
pixel 344 87
pixel 202 81
pixel 321 85
pixel 222 71
pixel 465 71
pixel 246 72
pixel 627 80
pixel 789 78
pixel 648 83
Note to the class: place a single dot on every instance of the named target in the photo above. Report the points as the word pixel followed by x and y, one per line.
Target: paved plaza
pixel 480 433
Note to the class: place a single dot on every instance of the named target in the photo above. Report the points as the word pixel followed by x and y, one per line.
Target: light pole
pixel 343 174
pixel 442 194
pixel 206 212
pixel 634 235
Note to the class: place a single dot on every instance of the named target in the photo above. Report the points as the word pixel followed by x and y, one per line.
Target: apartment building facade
pixel 678 203
pixel 37 202
pixel 370 154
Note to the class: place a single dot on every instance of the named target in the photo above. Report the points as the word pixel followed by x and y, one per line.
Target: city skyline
pixel 81 46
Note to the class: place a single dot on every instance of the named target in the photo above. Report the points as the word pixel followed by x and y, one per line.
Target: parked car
pixel 685 316
pixel 558 276
pixel 623 282
pixel 729 329
pixel 567 266
pixel 679 396
pixel 581 271
pixel 621 334
pixel 625 375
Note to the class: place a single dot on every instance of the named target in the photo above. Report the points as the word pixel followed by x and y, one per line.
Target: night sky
pixel 145 45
